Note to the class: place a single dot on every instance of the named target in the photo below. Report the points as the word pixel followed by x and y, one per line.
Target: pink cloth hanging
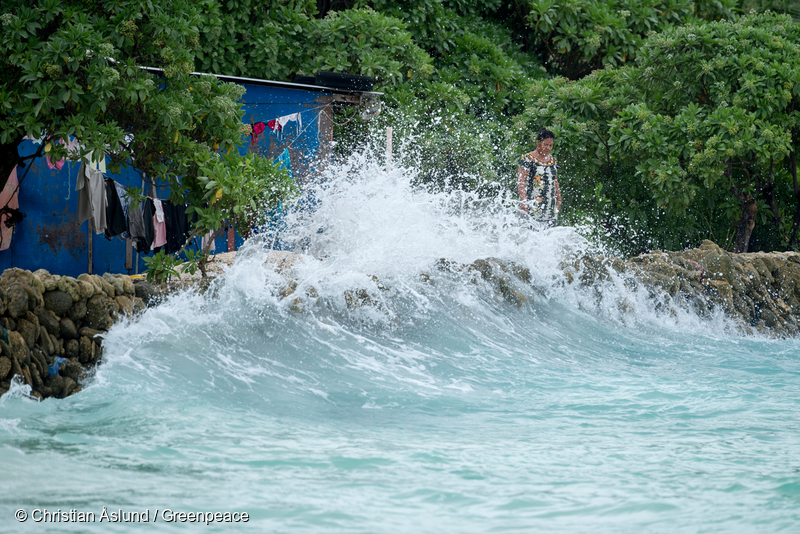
pixel 58 164
pixel 160 225
pixel 73 150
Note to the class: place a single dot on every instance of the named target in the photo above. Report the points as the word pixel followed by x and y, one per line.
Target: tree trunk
pixel 773 206
pixel 747 221
pixel 793 169
pixel 769 192
pixel 323 6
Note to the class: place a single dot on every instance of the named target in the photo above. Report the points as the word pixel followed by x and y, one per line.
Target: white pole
pixel 388 148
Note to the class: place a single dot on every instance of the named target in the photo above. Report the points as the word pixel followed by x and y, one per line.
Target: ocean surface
pixel 427 403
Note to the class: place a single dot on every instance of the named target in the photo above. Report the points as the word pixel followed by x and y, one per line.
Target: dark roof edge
pixel 273 83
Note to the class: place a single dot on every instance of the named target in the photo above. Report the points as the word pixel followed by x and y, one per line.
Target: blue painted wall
pixel 264 104
pixel 49 236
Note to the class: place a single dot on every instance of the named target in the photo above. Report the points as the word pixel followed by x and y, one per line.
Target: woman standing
pixel 537 181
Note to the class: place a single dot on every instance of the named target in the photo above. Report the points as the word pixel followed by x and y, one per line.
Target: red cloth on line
pixel 258 128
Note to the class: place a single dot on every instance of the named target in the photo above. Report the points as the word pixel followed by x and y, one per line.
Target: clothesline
pixel 152 224
pixel 341 123
pixel 301 133
pixel 277 124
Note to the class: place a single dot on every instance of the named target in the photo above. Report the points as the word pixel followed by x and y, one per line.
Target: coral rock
pixel 71 287
pixel 58 302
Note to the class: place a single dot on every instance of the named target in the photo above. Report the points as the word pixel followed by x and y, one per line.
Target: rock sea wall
pixel 52 326
pixel 759 292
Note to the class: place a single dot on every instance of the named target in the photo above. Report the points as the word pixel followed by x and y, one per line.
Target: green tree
pixel 719 111
pixel 255 39
pixel 70 66
pixel 278 41
pixel 235 189
pixel 76 68
pixel 788 7
pixel 707 118
pixel 575 37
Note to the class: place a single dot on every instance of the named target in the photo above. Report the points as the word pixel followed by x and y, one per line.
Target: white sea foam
pixel 378 231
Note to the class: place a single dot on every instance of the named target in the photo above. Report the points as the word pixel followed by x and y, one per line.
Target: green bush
pixel 704 124
pixel 579 36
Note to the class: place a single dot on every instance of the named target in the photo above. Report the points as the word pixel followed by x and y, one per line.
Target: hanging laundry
pixel 136 227
pixel 73 149
pixel 92 198
pixel 115 217
pixel 9 200
pixel 126 203
pixel 148 212
pixel 283 121
pixel 36 141
pixel 58 165
pixel 284 161
pixel 177 226
pixel 159 224
pixel 258 129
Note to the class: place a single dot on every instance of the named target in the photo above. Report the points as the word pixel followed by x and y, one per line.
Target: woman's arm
pixel 522 182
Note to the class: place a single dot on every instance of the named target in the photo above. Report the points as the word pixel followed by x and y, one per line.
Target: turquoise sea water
pixel 436 406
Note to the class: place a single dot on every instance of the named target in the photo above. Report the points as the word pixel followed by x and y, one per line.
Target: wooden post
pixel 129 254
pixel 231 239
pixel 325 136
pixel 89 244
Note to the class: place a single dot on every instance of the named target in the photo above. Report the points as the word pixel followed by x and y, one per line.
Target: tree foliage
pixel 707 117
pixel 675 120
pixel 69 67
pixel 786 7
pixel 77 68
pixel 579 36
pixel 721 112
pixel 236 189
pixel 281 41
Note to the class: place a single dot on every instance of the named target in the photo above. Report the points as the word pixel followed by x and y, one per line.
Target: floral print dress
pixel 541 187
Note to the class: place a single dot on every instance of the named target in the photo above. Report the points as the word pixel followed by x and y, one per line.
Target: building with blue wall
pixel 50 238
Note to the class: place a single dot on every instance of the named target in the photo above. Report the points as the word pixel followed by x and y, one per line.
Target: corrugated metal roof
pixel 289 85
pixel 273 83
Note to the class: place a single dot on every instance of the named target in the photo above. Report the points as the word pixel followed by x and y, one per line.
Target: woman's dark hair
pixel 543 134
